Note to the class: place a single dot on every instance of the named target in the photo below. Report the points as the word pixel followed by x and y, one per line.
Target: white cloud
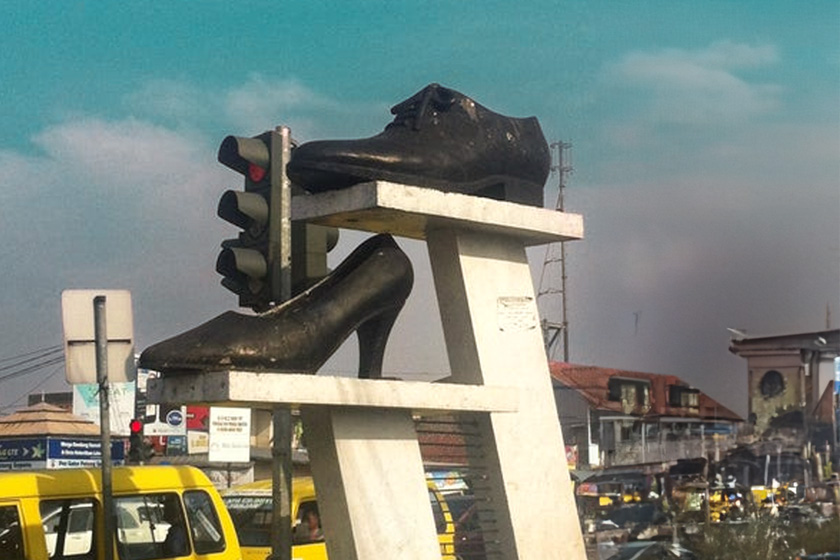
pixel 110 203
pixel 253 106
pixel 261 103
pixel 96 185
pixel 727 54
pixel 699 86
pixel 148 169
pixel 173 101
pixel 121 152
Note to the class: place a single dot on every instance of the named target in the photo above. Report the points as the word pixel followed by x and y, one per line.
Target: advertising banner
pixel 160 420
pixel 56 453
pixel 572 456
pixel 198 418
pixel 837 375
pixel 86 405
pixel 197 442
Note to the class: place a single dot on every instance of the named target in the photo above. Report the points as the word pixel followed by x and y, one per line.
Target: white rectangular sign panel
pixel 77 316
pixel 230 435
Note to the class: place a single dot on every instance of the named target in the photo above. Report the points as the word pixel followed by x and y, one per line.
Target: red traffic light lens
pixel 136 426
pixel 256 173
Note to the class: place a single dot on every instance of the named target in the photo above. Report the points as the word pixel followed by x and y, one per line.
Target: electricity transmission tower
pixel 556 333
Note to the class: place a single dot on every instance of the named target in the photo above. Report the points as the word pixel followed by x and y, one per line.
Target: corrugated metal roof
pixel 45 419
pixel 592 383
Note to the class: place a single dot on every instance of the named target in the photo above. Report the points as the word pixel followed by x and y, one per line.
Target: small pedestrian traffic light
pixel 135 441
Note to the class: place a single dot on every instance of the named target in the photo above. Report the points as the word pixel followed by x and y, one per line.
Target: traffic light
pixel 246 262
pixel 135 441
pixel 252 264
pixel 139 450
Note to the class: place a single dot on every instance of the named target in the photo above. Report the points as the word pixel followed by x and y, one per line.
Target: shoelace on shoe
pixel 415 107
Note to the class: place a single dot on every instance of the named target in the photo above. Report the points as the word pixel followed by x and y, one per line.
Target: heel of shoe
pixel 510 189
pixel 373 335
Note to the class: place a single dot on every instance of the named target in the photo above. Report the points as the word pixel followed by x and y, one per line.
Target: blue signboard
pixel 176 445
pixel 68 448
pixel 48 452
pixel 15 450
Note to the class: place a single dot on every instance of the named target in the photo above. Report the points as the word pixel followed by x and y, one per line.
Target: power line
pixel 34 367
pixel 47 350
pixel 31 390
pixel 28 358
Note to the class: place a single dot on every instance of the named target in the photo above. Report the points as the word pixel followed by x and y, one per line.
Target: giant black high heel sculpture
pixel 365 293
pixel 439 139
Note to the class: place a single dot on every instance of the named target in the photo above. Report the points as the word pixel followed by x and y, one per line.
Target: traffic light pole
pixel 280 209
pixel 101 339
pixel 280 263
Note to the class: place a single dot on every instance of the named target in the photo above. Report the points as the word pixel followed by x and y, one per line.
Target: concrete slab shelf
pixel 409 211
pixel 265 390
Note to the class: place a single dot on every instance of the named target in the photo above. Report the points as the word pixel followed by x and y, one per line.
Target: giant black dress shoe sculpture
pixel 440 139
pixel 365 293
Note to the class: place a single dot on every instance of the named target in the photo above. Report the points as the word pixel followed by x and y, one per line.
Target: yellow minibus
pixel 250 505
pixel 160 512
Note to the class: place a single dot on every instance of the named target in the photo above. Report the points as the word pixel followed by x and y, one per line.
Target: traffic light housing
pixel 245 262
pixel 310 245
pixel 252 264
pixel 135 441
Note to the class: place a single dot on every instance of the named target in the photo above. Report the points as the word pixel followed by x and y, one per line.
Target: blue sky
pixel 706 154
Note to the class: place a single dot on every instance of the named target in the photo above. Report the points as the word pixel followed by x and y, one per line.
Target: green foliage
pixel 765 538
pixel 814 539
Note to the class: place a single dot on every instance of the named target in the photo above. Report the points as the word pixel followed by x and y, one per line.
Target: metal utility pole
pixel 552 330
pixel 101 341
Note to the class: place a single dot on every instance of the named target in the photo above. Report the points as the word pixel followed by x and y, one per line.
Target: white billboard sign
pixel 230 435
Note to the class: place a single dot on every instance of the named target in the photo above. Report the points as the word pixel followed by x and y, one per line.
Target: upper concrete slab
pixel 408 211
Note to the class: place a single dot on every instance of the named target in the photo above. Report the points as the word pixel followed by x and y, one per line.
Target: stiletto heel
pixel 365 293
pixel 372 335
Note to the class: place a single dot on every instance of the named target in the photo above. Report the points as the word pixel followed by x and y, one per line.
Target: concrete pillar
pixel 369 477
pixel 493 337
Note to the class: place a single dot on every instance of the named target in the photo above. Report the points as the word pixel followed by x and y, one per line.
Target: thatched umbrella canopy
pixel 44 419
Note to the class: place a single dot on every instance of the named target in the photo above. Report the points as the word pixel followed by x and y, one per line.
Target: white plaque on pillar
pixel 516 313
